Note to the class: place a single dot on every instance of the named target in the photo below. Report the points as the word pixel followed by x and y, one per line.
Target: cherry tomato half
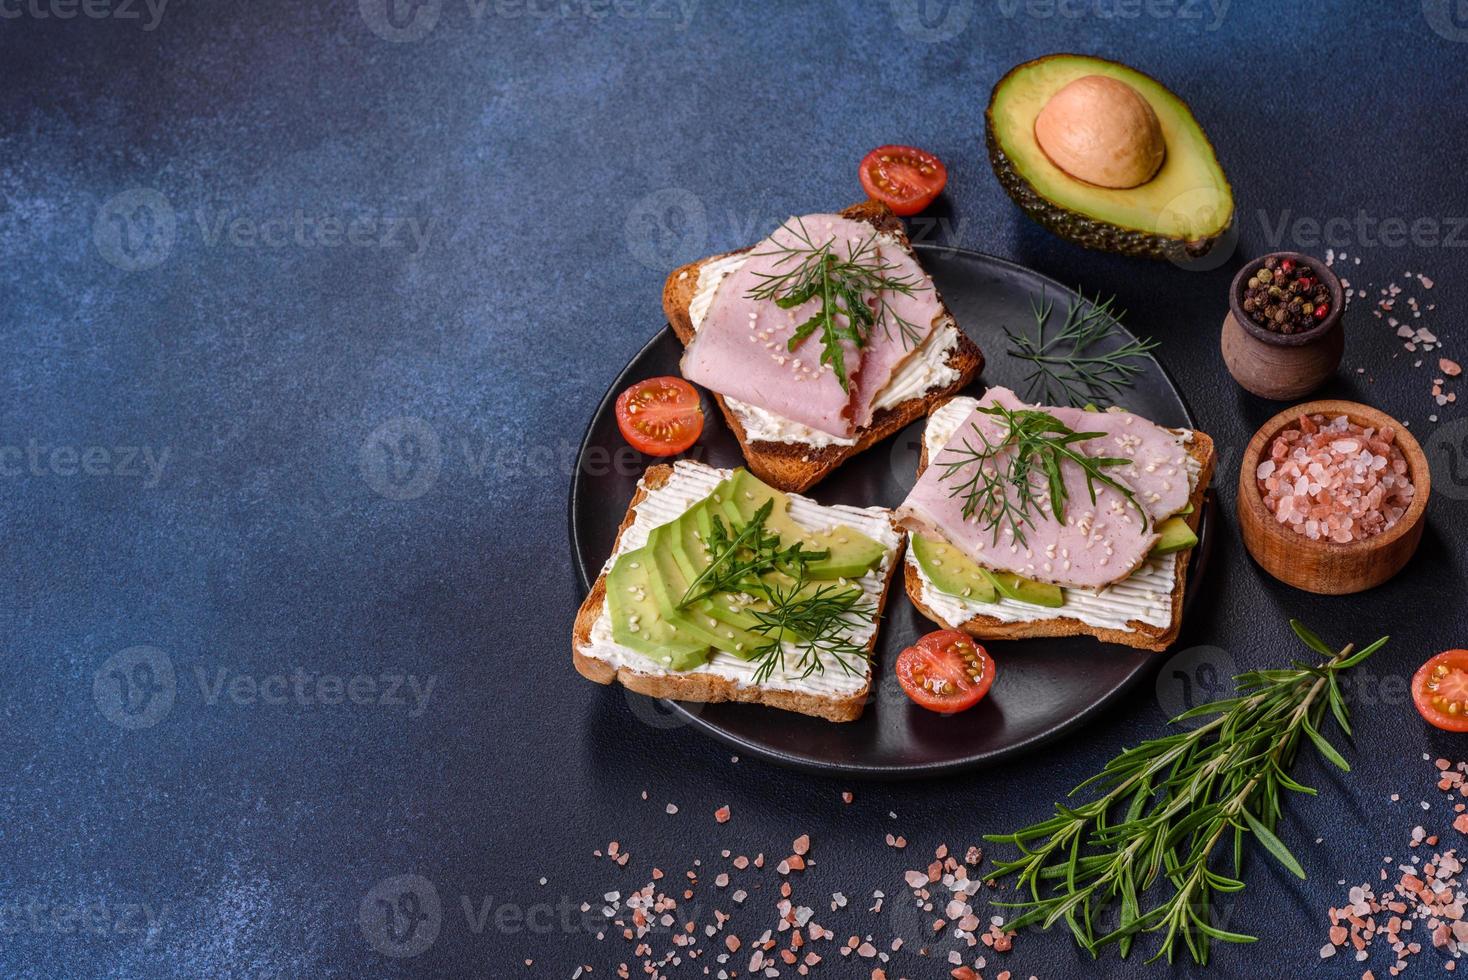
pixel 904 178
pixel 1440 691
pixel 945 672
pixel 660 416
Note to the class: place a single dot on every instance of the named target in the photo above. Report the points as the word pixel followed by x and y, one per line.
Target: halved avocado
pixel 1182 210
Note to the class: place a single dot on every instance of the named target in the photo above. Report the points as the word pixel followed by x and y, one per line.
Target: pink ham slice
pixel 1098 544
pixel 741 348
pixel 888 349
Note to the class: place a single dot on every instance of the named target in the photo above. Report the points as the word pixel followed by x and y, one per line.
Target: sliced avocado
pixel 1182 210
pixel 1021 589
pixel 638 624
pixel 951 571
pixel 1175 536
pixel 697 621
pixel 1187 509
pixel 685 539
pixel 852 554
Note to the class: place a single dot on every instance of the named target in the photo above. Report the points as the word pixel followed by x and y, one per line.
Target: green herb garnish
pixel 1005 482
pixel 1066 369
pixel 852 289
pixel 818 623
pixel 1167 806
pixel 740 554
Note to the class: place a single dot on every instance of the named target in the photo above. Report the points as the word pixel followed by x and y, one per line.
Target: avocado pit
pixel 1102 131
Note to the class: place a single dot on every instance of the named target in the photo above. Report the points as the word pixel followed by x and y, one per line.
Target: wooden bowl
pixel 1326 567
pixel 1278 366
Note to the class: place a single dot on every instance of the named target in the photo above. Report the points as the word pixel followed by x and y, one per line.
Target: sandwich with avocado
pixel 722 588
pixel 1032 521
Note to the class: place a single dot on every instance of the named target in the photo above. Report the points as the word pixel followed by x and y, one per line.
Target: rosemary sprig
pixel 1167 805
pixel 738 556
pixel 1066 369
pixel 1004 482
pixel 820 622
pixel 852 288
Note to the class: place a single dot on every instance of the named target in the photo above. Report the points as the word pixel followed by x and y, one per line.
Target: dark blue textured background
pixel 556 162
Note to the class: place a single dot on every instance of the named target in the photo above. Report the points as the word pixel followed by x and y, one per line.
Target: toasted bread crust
pixel 703 686
pixel 794 467
pixel 1143 636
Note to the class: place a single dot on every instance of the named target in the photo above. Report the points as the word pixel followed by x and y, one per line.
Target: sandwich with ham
pixel 1030 521
pixel 819 341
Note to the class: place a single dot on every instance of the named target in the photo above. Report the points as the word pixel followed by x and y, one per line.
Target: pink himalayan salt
pixel 1332 480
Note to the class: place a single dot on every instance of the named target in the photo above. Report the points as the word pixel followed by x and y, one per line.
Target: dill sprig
pixel 818 623
pixel 1066 369
pixel 1006 481
pixel 852 288
pixel 1169 803
pixel 739 555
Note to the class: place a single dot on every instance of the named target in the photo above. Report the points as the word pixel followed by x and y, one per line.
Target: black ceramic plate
pixel 1044 687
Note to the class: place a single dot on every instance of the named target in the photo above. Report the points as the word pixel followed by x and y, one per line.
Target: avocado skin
pixel 1085 230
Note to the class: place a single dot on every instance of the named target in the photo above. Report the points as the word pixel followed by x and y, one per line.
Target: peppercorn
pixel 1285 296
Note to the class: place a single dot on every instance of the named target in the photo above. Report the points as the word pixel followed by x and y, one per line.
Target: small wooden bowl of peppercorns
pixel 1282 337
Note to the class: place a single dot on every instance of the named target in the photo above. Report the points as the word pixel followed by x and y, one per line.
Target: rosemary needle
pixel 1165 807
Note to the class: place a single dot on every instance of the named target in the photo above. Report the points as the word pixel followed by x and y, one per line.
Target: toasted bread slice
pixel 1143 636
pixel 703 685
pixel 795 466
